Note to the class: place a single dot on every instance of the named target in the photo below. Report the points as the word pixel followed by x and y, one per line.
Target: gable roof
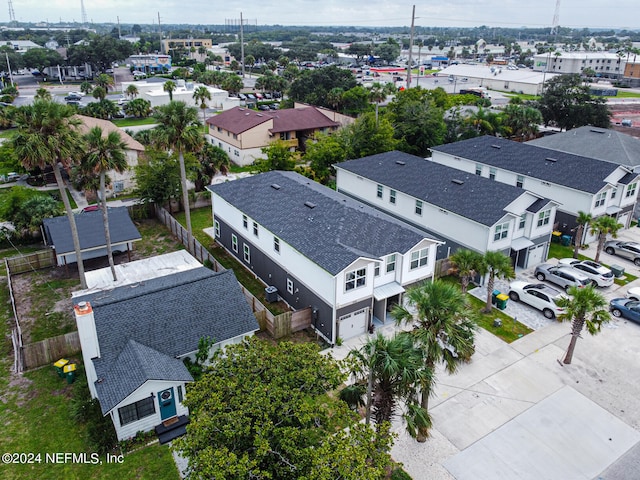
pixel 89 122
pixel 327 227
pixel 471 196
pixel 238 120
pixel 523 158
pixel 602 143
pixel 90 230
pixel 168 315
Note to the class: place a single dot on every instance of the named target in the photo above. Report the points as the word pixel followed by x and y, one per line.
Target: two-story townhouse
pixel 575 182
pixel 322 250
pixel 243 133
pixel 466 210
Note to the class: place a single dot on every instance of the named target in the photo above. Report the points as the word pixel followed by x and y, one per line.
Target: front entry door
pixel 167 403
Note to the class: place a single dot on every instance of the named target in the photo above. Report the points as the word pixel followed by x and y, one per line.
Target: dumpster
pixel 59 365
pixel 271 294
pixel 565 240
pixel 70 372
pixel 501 301
pixel 617 270
pixel 494 296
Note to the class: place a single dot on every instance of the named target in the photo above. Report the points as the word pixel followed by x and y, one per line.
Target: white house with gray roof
pixel 575 182
pixel 322 250
pixel 135 334
pixel 464 209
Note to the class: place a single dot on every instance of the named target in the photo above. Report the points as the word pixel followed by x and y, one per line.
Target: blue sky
pixel 462 13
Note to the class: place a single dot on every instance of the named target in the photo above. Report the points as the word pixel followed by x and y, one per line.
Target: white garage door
pixel 535 255
pixel 624 218
pixel 353 324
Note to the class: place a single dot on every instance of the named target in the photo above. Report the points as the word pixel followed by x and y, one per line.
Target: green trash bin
pixel 565 240
pixel 59 366
pixel 70 372
pixel 494 297
pixel 501 301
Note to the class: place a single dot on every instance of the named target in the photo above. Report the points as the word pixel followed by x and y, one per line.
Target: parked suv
pixel 630 250
pixel 539 296
pixel 565 277
pixel 600 275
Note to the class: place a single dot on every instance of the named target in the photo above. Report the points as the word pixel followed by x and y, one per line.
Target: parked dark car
pixel 626 308
pixel 72 97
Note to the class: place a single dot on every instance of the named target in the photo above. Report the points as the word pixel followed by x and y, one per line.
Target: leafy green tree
pixel 211 160
pixel 105 81
pixel 582 220
pixel 361 51
pixel 496 265
pixel 521 121
pixel 355 100
pixel 25 208
pixel 294 434
pixel 584 306
pixel 567 103
pixel 466 263
pixel 99 93
pixel 179 131
pixel 313 86
pixel 47 135
pixel 106 151
pixel 169 86
pixel 232 83
pixel 139 108
pixel 365 137
pixel 394 372
pixel 201 95
pixel 443 327
pixel 157 178
pixel 602 227
pixel 100 52
pixel 105 109
pixel 483 121
pixel 86 87
pixel 279 157
pixel 41 58
pixel 323 153
pixel 388 51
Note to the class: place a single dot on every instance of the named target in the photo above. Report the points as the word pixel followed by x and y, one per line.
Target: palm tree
pixel 497 265
pixel 249 61
pixel 132 91
pixel 42 94
pixel 86 87
pixel 99 93
pixel 443 327
pixel 377 94
pixel 602 227
pixel 582 220
pixel 584 306
pixel 105 152
pixel 179 130
pixel 466 261
pixel 393 371
pixel 47 136
pixel 105 81
pixel 201 95
pixel 169 87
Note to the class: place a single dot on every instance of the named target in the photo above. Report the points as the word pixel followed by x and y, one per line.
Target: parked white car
pixel 540 296
pixel 633 293
pixel 600 275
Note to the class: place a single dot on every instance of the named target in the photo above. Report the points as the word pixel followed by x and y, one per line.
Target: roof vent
pixel 310 204
pixel 457 181
pixel 400 162
pixel 275 186
pixel 247 114
pixel 596 131
pixel 258 114
pixel 496 146
pixel 551 159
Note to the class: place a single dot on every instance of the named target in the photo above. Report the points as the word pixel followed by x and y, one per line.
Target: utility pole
pixel 119 33
pixel 160 33
pixel 242 43
pixel 413 17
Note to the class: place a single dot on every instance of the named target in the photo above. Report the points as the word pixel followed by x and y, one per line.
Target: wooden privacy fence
pixel 30 261
pixel 50 350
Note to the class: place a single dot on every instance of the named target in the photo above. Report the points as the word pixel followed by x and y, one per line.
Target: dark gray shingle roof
pixel 603 143
pixel 532 161
pixel 90 230
pixel 471 196
pixel 334 233
pixel 169 315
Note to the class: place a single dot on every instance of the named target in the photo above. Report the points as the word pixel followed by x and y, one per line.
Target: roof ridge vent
pixel 400 162
pixel 275 186
pixel 457 181
pixel 551 159
pixel 309 204
pixel 496 146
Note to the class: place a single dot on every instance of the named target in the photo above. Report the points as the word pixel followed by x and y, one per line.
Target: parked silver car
pixel 630 250
pixel 565 277
pixel 600 275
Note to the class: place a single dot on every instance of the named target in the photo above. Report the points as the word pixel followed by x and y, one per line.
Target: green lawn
pixel 626 94
pixel 523 96
pixel 133 122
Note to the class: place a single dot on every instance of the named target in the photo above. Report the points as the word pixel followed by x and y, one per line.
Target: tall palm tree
pixel 584 306
pixel 105 81
pixel 179 130
pixel 47 136
pixel 466 261
pixel 497 265
pixel 132 91
pixel 582 220
pixel 602 227
pixel 377 94
pixel 201 95
pixel 443 327
pixel 169 87
pixel 42 94
pixel 394 371
pixel 105 152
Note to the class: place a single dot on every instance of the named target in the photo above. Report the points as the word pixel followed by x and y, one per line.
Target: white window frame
pixel 355 279
pixel 478 169
pixel 614 192
pixel 255 229
pixel 245 222
pixel 601 199
pixel 523 221
pixel 419 258
pixel 520 181
pixel 544 218
pixel 418 209
pixel 501 231
pixel 392 197
pixel 276 244
pixel 376 270
pixel 246 253
pixel 290 286
pixel 391 263
pixel 631 189
pixel 234 242
pixel 216 227
pixel 379 191
pixel 492 173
